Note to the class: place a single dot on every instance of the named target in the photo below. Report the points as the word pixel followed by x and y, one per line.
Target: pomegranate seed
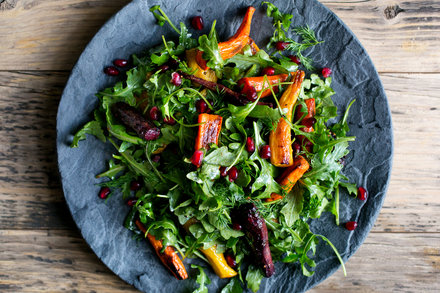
pixel 326 72
pixel 156 158
pixel 233 174
pixel 236 226
pixel 223 172
pixel 362 193
pixel 197 23
pixel 295 59
pixel 268 71
pixel 154 113
pixel 104 192
pixel 250 144
pixel 231 261
pixel 112 71
pixel 281 46
pixel 169 120
pixel 120 62
pixel 201 106
pixel 265 152
pixel 350 226
pixel 152 134
pixel 308 122
pixel 250 92
pixel 131 202
pixel 164 67
pixel 296 147
pixel 197 158
pixel 135 185
pixel 176 79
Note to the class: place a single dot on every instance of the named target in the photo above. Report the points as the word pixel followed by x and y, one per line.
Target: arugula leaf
pixel 211 53
pixel 202 280
pixel 232 287
pixel 113 170
pixel 253 278
pixel 93 128
pixel 269 116
pixel 261 60
pixel 293 207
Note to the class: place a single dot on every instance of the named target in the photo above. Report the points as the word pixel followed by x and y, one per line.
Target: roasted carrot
pixel 280 139
pixel 235 44
pixel 290 176
pixel 169 256
pixel 209 130
pixel 215 259
pixel 260 82
pixel 208 74
pixel 218 263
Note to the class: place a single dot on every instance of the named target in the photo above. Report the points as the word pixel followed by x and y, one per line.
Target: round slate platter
pixel 132 30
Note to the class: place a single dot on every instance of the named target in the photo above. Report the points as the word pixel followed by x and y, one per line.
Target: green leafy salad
pixel 224 151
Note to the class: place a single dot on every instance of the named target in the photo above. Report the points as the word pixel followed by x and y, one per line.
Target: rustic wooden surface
pixel 40 247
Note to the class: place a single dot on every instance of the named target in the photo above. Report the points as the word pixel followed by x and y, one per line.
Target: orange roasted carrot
pixel 290 176
pixel 280 139
pixel 235 44
pixel 259 82
pixel 169 256
pixel 209 130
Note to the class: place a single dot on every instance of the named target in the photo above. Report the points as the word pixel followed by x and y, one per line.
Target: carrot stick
pixel 169 256
pixel 235 44
pixel 259 82
pixel 290 176
pixel 209 130
pixel 280 139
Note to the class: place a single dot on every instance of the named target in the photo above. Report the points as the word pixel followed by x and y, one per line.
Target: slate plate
pixel 132 30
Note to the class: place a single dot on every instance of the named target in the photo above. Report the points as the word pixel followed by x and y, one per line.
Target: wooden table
pixel 40 247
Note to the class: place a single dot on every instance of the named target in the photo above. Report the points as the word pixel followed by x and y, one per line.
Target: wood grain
pixel 30 184
pixel 60 260
pixel 50 35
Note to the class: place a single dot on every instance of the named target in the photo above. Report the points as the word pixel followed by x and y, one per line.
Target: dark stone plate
pixel 132 30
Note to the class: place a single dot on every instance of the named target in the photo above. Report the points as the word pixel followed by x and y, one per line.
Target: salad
pixel 225 152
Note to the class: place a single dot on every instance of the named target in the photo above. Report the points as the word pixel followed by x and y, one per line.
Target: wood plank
pixel 50 35
pixel 400 36
pixel 29 183
pixel 60 260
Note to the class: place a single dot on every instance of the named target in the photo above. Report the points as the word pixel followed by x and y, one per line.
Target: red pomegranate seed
pixel 154 113
pixel 250 92
pixel 295 59
pixel 197 158
pixel 155 158
pixel 281 46
pixel 197 23
pixel 104 192
pixel 265 152
pixel 296 147
pixel 120 62
pixel 164 67
pixel 135 185
pixel 236 226
pixel 362 193
pixel 112 71
pixel 201 106
pixel 326 72
pixel 169 120
pixel 350 226
pixel 231 260
pixel 152 134
pixel 250 144
pixel 131 202
pixel 268 71
pixel 223 172
pixel 233 174
pixel 308 122
pixel 176 79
